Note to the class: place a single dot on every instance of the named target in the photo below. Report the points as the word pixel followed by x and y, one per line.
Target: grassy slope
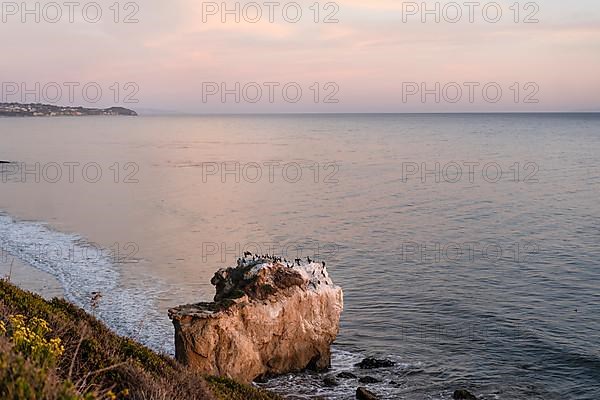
pixel 97 361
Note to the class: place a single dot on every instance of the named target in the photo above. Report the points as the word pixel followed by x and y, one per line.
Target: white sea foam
pixel 82 268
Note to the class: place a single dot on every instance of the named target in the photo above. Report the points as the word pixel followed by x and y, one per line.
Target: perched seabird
pixel 298 261
pixel 323 264
pixel 308 259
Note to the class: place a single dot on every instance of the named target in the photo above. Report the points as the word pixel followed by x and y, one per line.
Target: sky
pixel 189 56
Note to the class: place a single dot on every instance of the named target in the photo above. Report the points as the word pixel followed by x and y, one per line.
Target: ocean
pixel 467 245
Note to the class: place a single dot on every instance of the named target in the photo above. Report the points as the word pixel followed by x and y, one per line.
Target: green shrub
pixel 30 339
pixel 21 379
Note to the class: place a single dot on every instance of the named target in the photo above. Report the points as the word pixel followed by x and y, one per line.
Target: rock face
pixel 268 318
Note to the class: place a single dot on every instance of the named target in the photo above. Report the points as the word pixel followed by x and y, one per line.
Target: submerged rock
pixel 373 363
pixel 369 380
pixel 462 394
pixel 330 381
pixel 364 394
pixel 346 375
pixel 268 318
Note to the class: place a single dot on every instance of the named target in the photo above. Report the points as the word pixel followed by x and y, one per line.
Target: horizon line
pixel 191 114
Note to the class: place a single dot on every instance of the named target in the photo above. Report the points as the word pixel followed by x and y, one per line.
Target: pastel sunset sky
pixel 371 58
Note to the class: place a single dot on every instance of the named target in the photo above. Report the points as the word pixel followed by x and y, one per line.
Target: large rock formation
pixel 268 318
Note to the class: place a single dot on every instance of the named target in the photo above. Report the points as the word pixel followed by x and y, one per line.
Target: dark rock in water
pixel 372 363
pixel 364 394
pixel 368 379
pixel 262 379
pixel 346 375
pixel 330 381
pixel 463 394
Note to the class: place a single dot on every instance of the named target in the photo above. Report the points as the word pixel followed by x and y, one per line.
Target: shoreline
pixel 26 274
pixel 301 385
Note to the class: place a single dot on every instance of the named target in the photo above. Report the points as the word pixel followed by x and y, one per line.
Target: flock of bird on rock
pixel 266 257
pixel 259 259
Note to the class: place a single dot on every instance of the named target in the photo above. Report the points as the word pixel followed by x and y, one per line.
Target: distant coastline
pixel 48 110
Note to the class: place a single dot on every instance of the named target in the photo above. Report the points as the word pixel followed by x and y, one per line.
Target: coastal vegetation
pixel 54 350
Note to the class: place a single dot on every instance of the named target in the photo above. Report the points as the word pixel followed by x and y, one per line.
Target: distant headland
pixel 48 110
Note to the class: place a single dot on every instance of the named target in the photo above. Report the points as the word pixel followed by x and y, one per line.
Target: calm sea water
pixel 468 246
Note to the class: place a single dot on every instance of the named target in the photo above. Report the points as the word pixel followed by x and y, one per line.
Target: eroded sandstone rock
pixel 268 318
